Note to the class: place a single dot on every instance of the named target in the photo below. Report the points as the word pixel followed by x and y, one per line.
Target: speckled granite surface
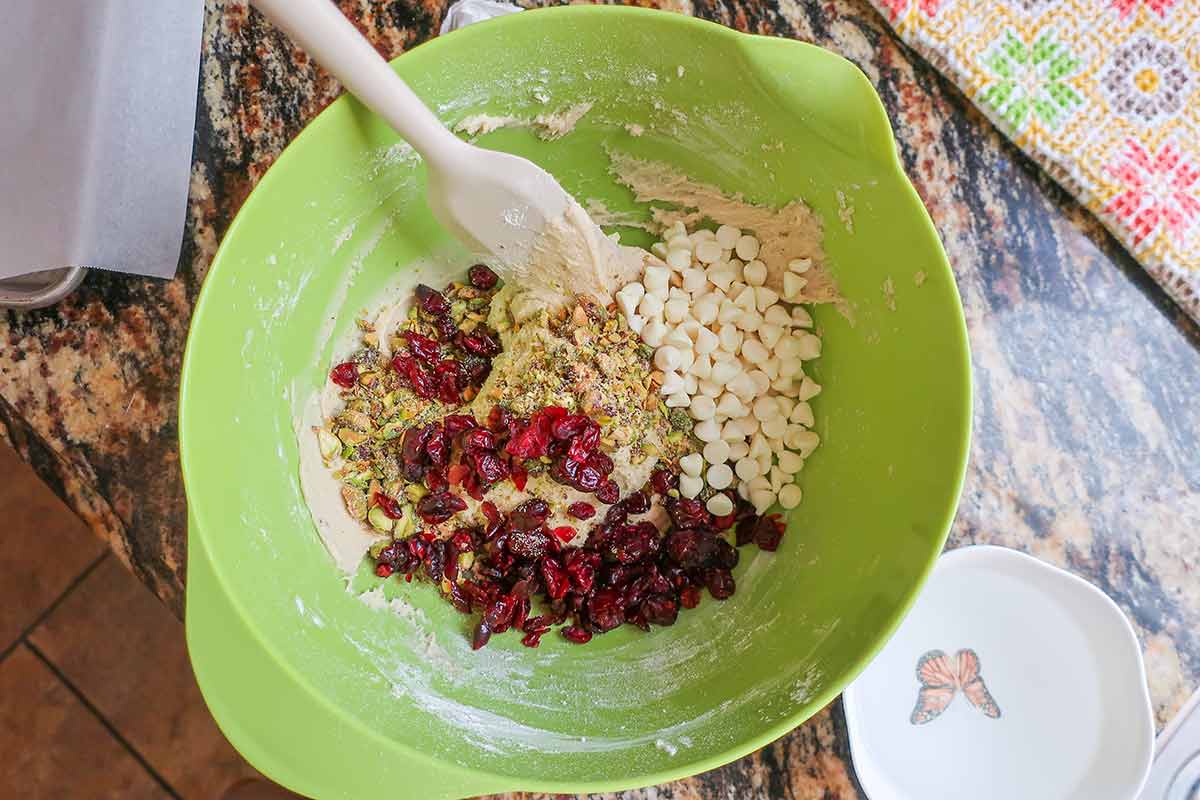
pixel 1087 420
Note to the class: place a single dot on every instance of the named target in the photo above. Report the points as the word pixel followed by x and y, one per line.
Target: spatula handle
pixel 320 28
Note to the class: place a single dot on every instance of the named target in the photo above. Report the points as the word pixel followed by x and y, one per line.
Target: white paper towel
pixel 96 135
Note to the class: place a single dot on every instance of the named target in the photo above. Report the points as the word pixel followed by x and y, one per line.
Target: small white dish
pixel 1009 679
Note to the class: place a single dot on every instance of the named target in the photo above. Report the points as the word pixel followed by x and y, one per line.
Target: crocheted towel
pixel 1104 94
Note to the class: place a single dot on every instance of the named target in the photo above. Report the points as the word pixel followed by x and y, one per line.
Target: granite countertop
pixel 1086 448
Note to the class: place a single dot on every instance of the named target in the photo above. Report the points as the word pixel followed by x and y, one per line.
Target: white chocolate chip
pixel 802 415
pixel 753 351
pixel 650 306
pixel 709 389
pixel 706 309
pixel 808 389
pixel 666 358
pixel 746 247
pixel 724 371
pixel 694 280
pixel 801 317
pixel 720 476
pixel 790 463
pixel 779 316
pixel 765 408
pixel 762 381
pixel 675 311
pixel 708 251
pixel 655 278
pixel 727 236
pixel 702 407
pixel 793 285
pixel 738 450
pixel 706 341
pixel 716 451
pixel 769 334
pixel 672 382
pixel 755 273
pixel 810 346
pixel 719 505
pixel 722 278
pixel 800 265
pixel 678 258
pixel 690 485
pixel 764 298
pixel 678 400
pixel 747 468
pixel 654 333
pixel 707 431
pixel 691 464
pixel 730 406
pixel 790 496
pixel 762 500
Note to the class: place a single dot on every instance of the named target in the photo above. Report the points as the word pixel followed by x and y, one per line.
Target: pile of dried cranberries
pixel 625 572
pixel 442 364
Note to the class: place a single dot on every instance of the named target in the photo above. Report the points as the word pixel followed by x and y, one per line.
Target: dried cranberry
pixel 437 447
pixel 608 492
pixel 454 424
pixel 690 548
pixel 663 481
pixel 531 639
pixel 569 426
pixel 432 301
pixel 521 614
pixel 584 444
pixel 719 582
pixel 344 374
pixel 475 369
pixel 725 522
pixel 726 555
pixel 481 277
pixel 519 477
pixel 449 560
pixel 660 609
pixel 576 634
pixel 435 479
pixel 600 462
pixel 744 532
pixel 447 389
pixel 462 541
pixel 423 347
pixel 604 610
pixel 565 471
pixel 438 507
pixel 498 419
pixel 637 503
pixel 588 480
pixel 689 513
pixel 445 327
pixel 479 439
pixel 527 443
pixel 555 578
pixel 633 543
pixel 689 597
pixel 499 614
pixel 768 532
pixel 388 506
pixel 581 569
pixel 529 514
pixel 480 342
pixel 490 467
pixel 581 510
pixel 417 377
pixel 383 570
pixel 529 544
pixel 482 634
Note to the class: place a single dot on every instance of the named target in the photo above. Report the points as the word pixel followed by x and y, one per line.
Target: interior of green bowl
pixel 335 220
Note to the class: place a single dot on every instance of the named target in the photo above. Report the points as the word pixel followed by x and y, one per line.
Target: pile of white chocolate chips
pixel 730 350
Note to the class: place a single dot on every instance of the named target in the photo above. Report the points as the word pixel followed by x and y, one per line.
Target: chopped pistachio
pixel 328 444
pixel 356 502
pixel 351 437
pixel 415 491
pixel 379 520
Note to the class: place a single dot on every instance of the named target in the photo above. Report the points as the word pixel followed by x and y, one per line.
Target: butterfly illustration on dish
pixel 942 677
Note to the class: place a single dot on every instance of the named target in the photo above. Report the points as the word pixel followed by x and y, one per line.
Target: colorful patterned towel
pixel 1104 94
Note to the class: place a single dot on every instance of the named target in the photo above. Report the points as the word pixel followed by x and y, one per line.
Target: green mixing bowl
pixel 335 699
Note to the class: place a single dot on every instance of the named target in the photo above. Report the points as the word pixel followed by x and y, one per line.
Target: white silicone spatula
pixel 495 203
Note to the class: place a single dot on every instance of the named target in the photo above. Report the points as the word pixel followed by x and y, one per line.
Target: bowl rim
pixel 882 146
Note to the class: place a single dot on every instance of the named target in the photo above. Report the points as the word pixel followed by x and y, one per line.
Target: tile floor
pixel 97 698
